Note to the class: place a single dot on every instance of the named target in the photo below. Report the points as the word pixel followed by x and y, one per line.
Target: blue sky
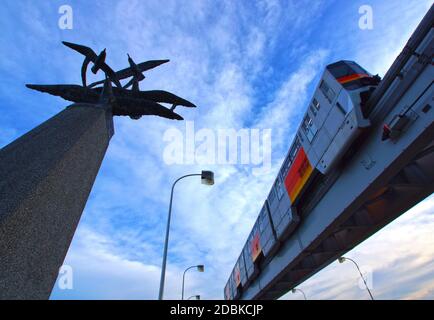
pixel 245 64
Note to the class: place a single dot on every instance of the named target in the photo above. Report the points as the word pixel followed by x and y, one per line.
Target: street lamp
pixel 199 268
pixel 197 297
pixel 343 259
pixel 295 290
pixel 207 177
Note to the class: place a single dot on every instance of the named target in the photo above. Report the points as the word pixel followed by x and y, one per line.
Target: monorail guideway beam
pixel 382 180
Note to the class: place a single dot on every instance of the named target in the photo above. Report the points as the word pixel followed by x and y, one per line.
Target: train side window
pixel 294 149
pixel 312 127
pixel 286 166
pixel 309 128
pixel 312 109
pixel 327 91
pixel 272 195
pixel 339 106
pixel 300 136
pixel 315 103
pixel 278 188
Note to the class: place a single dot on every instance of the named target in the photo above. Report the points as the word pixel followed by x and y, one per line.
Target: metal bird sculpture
pixel 122 101
pixel 98 62
pixel 147 101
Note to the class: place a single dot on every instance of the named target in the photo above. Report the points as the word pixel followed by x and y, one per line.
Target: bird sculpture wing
pixel 144 66
pixel 164 97
pixel 70 92
pixel 135 108
pixel 152 95
pixel 89 54
pixel 86 51
pixel 128 72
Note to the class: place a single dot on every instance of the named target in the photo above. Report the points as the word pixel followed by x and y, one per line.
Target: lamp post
pixel 197 297
pixel 207 177
pixel 295 290
pixel 199 267
pixel 342 260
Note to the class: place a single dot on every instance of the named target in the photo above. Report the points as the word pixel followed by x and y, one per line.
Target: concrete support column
pixel 45 180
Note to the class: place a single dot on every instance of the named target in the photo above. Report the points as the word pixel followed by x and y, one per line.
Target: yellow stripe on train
pixel 298 175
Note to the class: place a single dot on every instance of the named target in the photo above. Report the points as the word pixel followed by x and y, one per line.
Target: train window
pixel 327 91
pixel 345 68
pixel 305 129
pixel 315 104
pixel 340 70
pixel 300 136
pixel 313 110
pixel 356 68
pixel 309 128
pixel 294 149
pixel 272 195
pixel 278 188
pixel 341 109
pixel 286 166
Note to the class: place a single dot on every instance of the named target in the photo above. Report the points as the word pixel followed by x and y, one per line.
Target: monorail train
pixel 334 119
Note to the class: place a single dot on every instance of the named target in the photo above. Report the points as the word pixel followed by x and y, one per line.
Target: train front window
pixel 345 68
pixel 356 68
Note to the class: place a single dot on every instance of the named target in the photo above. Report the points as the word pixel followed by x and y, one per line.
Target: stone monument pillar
pixel 45 180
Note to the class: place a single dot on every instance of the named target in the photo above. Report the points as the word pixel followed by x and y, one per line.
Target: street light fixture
pixel 295 290
pixel 197 297
pixel 199 268
pixel 207 177
pixel 343 259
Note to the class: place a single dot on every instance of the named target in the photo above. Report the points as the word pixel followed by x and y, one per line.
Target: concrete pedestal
pixel 45 180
